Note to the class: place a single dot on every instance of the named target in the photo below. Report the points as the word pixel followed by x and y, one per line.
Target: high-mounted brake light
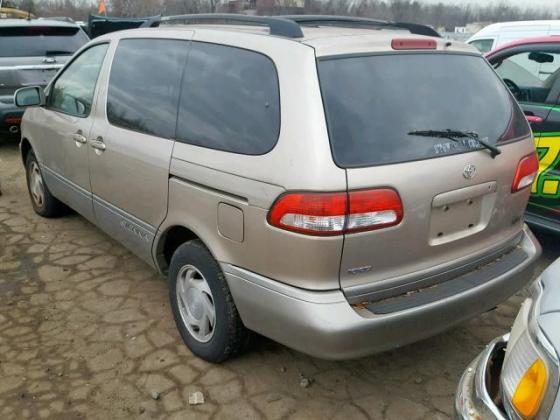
pixel 328 214
pixel 413 44
pixel 526 173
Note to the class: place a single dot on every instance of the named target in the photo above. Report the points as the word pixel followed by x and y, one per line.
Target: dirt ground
pixel 86 331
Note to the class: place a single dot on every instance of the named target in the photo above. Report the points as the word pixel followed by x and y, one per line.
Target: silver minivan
pixel 343 186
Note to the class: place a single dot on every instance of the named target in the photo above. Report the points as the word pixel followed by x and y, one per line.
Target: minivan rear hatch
pixel 408 122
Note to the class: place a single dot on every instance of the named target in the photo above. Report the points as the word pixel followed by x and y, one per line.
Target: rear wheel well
pixel 169 242
pixel 25 148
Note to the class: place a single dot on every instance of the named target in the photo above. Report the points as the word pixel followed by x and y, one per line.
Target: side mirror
pixel 30 96
pixel 541 58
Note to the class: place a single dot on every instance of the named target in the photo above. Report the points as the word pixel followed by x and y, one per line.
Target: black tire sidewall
pixel 217 348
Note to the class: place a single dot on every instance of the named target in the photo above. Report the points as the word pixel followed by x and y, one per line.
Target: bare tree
pixel 174 7
pixel 438 15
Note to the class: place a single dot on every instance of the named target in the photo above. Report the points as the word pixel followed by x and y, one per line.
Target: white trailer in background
pixel 492 36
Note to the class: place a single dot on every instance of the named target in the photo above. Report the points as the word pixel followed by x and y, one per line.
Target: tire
pixel 202 285
pixel 44 203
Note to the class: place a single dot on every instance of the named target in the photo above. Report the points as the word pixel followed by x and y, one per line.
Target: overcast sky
pixel 520 3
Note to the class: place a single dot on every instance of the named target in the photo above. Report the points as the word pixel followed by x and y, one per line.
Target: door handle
pixel 534 119
pixel 79 138
pixel 98 145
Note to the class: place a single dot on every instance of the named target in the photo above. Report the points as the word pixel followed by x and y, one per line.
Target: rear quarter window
pixel 229 100
pixel 373 102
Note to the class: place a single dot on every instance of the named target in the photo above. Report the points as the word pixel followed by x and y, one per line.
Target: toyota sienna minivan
pixel 343 186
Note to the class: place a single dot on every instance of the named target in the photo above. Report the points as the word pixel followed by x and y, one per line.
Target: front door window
pixel 531 75
pixel 72 93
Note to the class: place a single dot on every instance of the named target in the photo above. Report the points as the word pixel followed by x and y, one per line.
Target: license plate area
pixel 461 213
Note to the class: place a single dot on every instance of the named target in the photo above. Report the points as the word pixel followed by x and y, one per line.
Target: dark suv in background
pixel 31 52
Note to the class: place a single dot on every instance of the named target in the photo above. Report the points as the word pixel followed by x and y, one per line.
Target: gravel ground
pixel 86 331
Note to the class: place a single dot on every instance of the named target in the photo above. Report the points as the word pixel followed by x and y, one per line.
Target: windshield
pixel 372 103
pixel 35 41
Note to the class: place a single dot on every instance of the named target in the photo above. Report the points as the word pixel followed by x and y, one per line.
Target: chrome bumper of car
pixel 473 400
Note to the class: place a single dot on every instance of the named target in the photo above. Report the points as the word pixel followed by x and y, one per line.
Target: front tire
pixel 44 203
pixel 202 305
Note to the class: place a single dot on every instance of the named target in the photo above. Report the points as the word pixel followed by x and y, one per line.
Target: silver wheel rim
pixel 196 303
pixel 36 185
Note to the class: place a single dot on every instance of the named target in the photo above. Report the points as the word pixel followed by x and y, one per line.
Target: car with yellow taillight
pixel 517 375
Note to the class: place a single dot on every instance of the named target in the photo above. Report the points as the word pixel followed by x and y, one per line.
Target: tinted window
pixel 144 85
pixel 229 100
pixel 72 93
pixel 31 41
pixel 373 103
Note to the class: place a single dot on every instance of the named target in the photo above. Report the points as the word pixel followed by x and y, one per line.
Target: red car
pixel 531 69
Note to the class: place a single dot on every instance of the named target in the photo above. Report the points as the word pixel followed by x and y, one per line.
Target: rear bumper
pixel 325 325
pixel 473 400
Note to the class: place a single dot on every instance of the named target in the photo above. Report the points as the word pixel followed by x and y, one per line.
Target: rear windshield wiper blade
pixel 455 135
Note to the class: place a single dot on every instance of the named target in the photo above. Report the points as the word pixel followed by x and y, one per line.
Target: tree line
pixel 438 15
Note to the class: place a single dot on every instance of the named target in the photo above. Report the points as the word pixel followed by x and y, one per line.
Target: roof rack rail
pixel 277 25
pixel 289 25
pixel 352 21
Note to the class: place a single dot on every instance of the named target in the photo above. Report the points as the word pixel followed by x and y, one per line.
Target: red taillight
pixel 373 209
pixel 526 173
pixel 413 44
pixel 311 213
pixel 327 214
pixel 12 120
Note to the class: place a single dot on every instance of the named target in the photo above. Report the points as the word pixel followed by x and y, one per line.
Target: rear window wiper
pixel 455 135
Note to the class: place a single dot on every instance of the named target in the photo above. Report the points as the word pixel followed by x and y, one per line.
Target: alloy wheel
pixel 196 303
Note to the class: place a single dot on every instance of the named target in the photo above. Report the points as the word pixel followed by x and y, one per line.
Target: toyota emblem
pixel 469 171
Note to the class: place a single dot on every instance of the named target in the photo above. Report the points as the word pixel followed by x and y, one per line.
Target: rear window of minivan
pixel 374 102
